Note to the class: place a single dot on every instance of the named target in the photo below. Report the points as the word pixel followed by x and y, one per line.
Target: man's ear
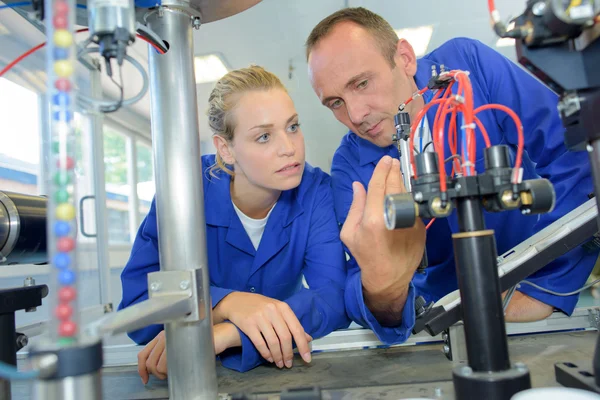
pixel 224 150
pixel 405 57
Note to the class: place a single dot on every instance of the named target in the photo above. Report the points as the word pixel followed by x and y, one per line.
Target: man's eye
pixel 363 84
pixel 336 104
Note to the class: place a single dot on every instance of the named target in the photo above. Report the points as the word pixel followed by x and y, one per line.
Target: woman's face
pixel 268 146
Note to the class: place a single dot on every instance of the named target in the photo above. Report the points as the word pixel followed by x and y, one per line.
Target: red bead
pixel 61 8
pixel 62 84
pixel 63 312
pixel 60 21
pixel 67 294
pixel 67 328
pixel 65 244
pixel 68 163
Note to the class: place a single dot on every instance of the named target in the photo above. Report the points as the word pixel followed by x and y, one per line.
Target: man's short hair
pixel 382 31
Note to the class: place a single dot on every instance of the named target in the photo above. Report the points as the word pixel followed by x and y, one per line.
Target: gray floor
pixel 393 373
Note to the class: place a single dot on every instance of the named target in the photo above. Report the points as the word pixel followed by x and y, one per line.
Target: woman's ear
pixel 224 150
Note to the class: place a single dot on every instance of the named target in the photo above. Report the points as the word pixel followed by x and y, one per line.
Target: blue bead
pixel 61 228
pixel 61 99
pixel 61 53
pixel 66 277
pixel 62 260
pixel 62 116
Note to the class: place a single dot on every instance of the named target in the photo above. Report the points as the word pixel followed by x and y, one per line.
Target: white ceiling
pixel 272 34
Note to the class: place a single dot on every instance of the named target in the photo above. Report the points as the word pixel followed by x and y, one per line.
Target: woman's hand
pixel 270 324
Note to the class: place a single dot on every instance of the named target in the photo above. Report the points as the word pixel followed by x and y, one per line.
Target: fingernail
pixel 288 363
pixel 280 364
pixel 387 159
pixel 306 357
pixel 270 360
pixel 395 162
pixel 143 383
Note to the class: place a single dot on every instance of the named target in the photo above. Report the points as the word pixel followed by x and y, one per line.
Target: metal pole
pixel 8 349
pixel 180 199
pixel 477 272
pixel 100 193
pixel 594 152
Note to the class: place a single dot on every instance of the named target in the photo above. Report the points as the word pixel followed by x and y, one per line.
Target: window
pixel 145 174
pixel 117 185
pixel 20 138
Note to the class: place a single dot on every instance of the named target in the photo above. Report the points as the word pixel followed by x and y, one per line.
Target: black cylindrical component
pixel 8 339
pixel 427 163
pixel 502 385
pixel 540 195
pixel 485 332
pixel 470 214
pixel 22 228
pixel 596 362
pixel 400 211
pixel 496 157
pixel 402 121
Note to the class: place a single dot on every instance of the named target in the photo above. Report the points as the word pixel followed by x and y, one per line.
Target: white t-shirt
pixel 254 227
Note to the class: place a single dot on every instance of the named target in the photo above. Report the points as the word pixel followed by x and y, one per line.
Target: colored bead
pixel 62 260
pixel 65 212
pixel 61 196
pixel 62 178
pixel 63 312
pixel 66 277
pixel 61 8
pixel 63 68
pixel 63 38
pixel 61 99
pixel 61 228
pixel 65 244
pixel 67 328
pixel 60 21
pixel 62 84
pixel 60 53
pixel 62 116
pixel 66 294
pixel 66 341
pixel 68 163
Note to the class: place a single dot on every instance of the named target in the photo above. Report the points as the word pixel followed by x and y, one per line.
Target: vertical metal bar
pixel 180 200
pixel 44 118
pixel 8 349
pixel 405 166
pixel 132 178
pixel 594 152
pixel 99 181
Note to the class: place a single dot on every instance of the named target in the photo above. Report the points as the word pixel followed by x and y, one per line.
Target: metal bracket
pixel 189 283
pixel 594 318
pixel 455 343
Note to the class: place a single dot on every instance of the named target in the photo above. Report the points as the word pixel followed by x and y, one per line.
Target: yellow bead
pixel 64 68
pixel 63 38
pixel 65 212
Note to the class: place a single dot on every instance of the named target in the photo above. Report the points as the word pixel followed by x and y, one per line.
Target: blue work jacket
pixel 301 238
pixel 495 79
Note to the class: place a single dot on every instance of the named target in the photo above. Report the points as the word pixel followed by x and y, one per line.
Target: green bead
pixel 62 178
pixel 61 196
pixel 65 341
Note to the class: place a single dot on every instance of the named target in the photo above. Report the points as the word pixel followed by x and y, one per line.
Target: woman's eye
pixel 263 138
pixel 294 127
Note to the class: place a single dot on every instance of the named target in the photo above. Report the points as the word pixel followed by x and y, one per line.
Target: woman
pixel 269 222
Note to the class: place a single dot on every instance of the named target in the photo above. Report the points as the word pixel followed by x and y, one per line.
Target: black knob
pixel 496 157
pixel 400 211
pixel 427 163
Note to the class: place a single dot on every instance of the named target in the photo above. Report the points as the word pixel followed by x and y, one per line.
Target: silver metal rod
pixel 180 200
pixel 100 192
pixel 405 163
pixel 140 315
pixel 594 153
pixel 88 387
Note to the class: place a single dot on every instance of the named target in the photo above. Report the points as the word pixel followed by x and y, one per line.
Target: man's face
pixel 352 78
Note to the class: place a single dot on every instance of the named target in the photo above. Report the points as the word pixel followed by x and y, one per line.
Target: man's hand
pixel 270 324
pixel 153 358
pixel 387 259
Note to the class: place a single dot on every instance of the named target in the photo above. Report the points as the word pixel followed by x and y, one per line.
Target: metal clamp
pixel 189 283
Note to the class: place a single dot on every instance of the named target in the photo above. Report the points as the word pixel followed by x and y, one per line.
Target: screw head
pixel 154 286
pixel 446 349
pixel 183 285
pixel 538 8
pixel 418 196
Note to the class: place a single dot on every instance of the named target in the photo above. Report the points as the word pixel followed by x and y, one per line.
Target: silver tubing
pixel 100 193
pixel 405 163
pixel 84 387
pixel 180 200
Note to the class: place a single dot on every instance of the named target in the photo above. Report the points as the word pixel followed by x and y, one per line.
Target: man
pixel 361 71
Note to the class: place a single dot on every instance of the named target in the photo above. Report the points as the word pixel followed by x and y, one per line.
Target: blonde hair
pixel 224 98
pixel 383 33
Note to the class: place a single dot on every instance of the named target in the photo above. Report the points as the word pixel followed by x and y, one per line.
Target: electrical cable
pixel 11 373
pixel 560 294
